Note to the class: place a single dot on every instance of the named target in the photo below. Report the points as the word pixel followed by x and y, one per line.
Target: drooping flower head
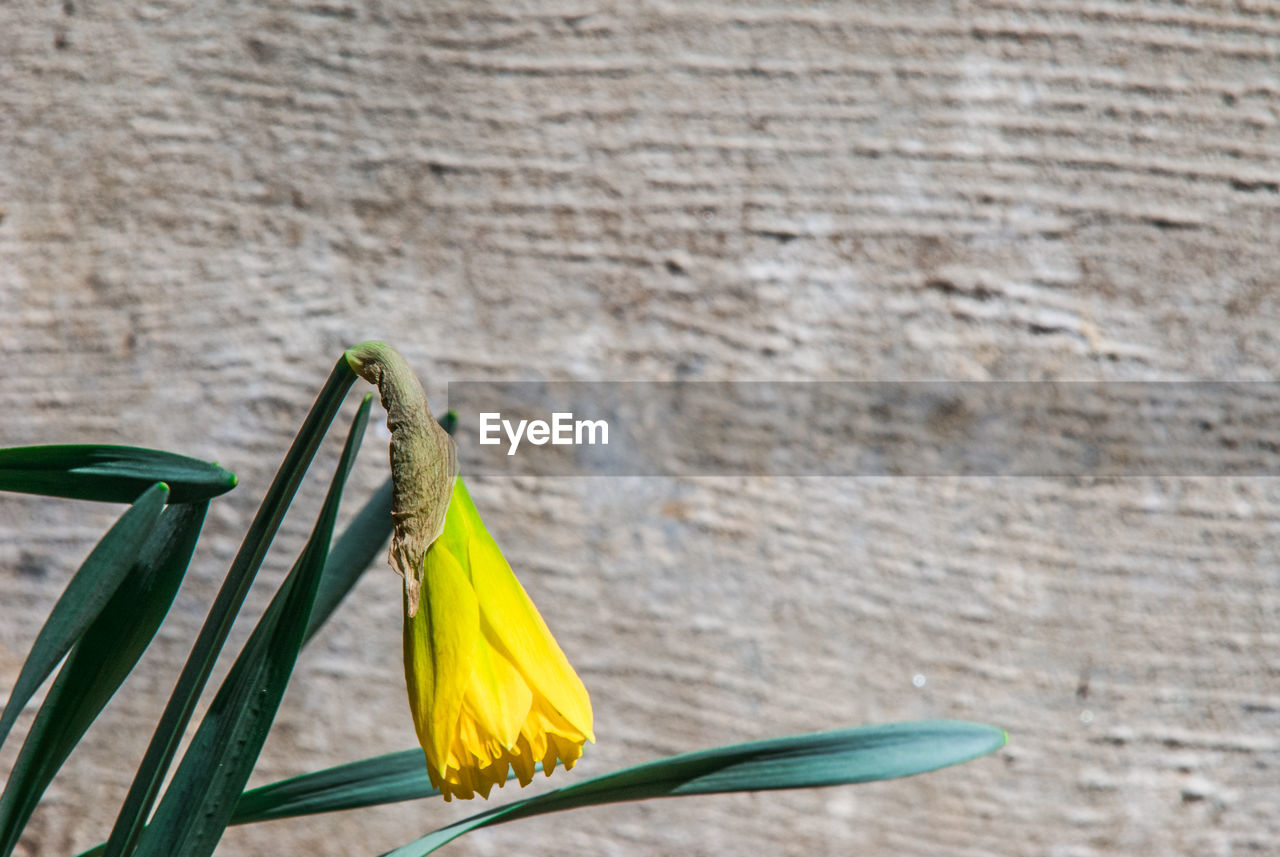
pixel 489 688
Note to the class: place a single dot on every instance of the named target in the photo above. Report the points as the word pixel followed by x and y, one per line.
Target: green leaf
pixel 199 802
pixel 101 660
pixel 88 591
pixel 402 776
pixel 449 422
pixel 115 474
pixel 858 755
pixel 182 702
pixel 354 551
pixel 392 778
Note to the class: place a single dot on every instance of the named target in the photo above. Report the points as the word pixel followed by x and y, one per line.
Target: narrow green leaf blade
pixel 860 755
pixel 88 591
pixel 115 474
pixel 449 422
pixel 391 778
pixel 354 551
pixel 100 661
pixel 380 780
pixel 199 802
pixel 195 673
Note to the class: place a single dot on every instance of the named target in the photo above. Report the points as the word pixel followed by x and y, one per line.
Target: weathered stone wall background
pixel 204 203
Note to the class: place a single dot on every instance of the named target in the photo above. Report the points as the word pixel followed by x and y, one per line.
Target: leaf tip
pixel 228 479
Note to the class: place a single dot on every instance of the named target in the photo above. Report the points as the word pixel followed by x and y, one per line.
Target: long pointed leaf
pixel 100 661
pixel 177 713
pixel 354 551
pixel 402 776
pixel 199 802
pixel 392 778
pixel 116 474
pixel 88 591
pixel 858 755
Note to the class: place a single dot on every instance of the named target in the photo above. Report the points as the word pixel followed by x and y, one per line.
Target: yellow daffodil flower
pixel 489 687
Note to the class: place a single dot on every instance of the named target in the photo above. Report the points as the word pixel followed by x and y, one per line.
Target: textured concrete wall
pixel 204 203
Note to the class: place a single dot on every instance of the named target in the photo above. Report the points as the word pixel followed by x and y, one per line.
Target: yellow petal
pixel 440 651
pixel 511 623
pixel 550 735
pixel 523 760
pixel 498 698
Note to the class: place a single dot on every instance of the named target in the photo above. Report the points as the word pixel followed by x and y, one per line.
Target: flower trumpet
pixel 489 686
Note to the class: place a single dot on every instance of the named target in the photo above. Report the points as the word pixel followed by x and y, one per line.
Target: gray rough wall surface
pixel 204 203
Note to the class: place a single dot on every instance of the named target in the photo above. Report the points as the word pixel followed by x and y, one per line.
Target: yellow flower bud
pixel 489 688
